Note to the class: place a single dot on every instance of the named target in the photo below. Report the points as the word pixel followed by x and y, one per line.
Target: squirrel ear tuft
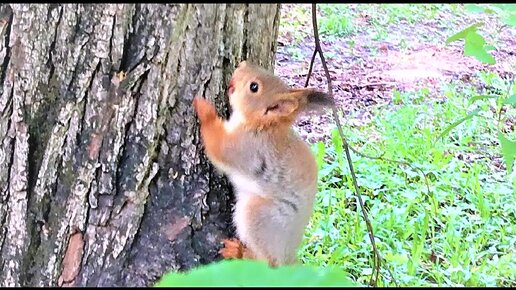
pixel 319 99
pixel 313 99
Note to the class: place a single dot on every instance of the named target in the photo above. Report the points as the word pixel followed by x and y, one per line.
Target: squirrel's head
pixel 263 99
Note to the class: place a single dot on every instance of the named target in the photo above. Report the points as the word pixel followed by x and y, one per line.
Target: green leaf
pixel 457 123
pixel 511 100
pixel 396 258
pixel 474 8
pixel 489 11
pixel 474 46
pixel 233 273
pixel 483 97
pixel 462 34
pixel 506 7
pixel 338 145
pixel 489 47
pixel 319 151
pixel 510 20
pixel 508 150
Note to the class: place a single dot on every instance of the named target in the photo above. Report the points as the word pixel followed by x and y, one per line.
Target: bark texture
pixel 103 180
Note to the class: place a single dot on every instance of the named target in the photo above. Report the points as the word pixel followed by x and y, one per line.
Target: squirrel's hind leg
pixel 235 249
pixel 261 225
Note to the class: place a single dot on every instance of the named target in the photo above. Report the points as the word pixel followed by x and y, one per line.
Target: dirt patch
pixel 364 75
pixel 428 62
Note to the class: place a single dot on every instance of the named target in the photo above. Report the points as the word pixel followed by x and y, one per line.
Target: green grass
pixel 339 20
pixel 412 13
pixel 336 20
pixel 294 22
pixel 460 232
pixel 457 227
pixel 375 21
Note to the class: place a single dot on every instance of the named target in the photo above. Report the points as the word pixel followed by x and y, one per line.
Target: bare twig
pixel 311 66
pixel 376 255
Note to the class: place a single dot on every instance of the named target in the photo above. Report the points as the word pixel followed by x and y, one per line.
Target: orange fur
pixel 272 170
pixel 234 249
pixel 212 130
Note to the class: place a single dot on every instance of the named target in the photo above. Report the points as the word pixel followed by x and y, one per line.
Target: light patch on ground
pixel 427 63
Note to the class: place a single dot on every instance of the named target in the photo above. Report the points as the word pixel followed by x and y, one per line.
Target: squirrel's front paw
pixel 205 110
pixel 233 249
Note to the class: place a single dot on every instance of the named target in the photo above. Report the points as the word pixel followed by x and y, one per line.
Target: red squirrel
pixel 272 170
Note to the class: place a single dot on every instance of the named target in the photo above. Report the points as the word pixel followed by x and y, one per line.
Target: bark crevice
pixel 102 166
pixel 6 20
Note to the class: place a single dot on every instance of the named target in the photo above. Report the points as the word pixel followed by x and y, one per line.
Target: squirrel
pixel 272 170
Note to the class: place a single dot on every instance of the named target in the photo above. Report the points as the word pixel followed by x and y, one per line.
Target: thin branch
pixel 415 168
pixel 429 193
pixel 311 67
pixel 376 255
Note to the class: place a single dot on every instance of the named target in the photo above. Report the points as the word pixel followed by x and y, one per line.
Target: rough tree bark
pixel 103 180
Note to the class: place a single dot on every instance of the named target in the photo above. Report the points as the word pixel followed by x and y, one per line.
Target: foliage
pixel 455 226
pixel 238 273
pixel 335 21
pixel 476 46
pixel 507 12
pixel 458 231
pixel 344 22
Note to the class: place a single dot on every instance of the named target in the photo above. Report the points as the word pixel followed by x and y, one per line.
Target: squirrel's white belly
pixel 234 121
pixel 245 184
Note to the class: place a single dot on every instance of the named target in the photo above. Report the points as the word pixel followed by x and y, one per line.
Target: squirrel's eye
pixel 253 87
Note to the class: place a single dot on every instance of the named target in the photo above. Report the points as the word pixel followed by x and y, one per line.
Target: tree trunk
pixel 103 180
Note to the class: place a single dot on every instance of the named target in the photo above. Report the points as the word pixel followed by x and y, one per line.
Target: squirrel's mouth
pixel 231 87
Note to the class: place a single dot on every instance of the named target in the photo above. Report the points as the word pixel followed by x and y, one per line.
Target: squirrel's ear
pixel 313 99
pixel 297 100
pixel 282 107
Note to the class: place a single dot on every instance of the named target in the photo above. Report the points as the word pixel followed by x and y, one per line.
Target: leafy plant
pixel 454 228
pixel 460 233
pixel 476 46
pixel 336 20
pixel 507 12
pixel 251 273
pixel 474 43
